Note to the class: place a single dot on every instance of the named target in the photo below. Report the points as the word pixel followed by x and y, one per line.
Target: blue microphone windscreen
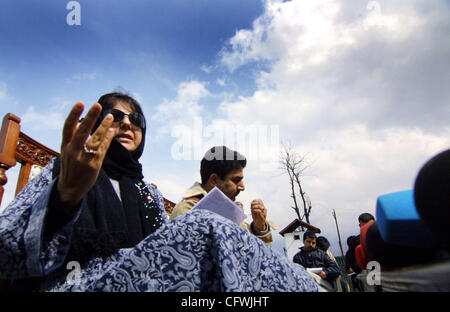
pixel 399 223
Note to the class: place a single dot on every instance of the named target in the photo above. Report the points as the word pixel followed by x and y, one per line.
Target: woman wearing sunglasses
pixel 95 199
pixel 89 222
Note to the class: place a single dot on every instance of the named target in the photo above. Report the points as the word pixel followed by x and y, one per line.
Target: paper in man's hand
pixel 218 202
pixel 315 270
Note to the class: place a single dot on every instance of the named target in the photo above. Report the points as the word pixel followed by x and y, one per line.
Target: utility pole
pixel 339 235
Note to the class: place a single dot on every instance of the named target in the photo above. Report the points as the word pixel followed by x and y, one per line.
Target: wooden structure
pixel 16 146
pixel 294 225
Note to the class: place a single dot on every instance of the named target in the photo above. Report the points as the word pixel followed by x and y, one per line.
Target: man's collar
pixel 195 190
pixel 303 249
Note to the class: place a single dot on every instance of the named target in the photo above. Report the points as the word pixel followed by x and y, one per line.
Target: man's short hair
pixel 365 217
pixel 353 241
pixel 322 243
pixel 309 234
pixel 220 160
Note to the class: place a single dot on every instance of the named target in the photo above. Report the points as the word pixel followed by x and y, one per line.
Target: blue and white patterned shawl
pixel 199 251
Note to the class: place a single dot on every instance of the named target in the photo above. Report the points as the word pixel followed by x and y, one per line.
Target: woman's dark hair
pixel 107 101
pixel 322 243
pixel 220 160
pixel 309 234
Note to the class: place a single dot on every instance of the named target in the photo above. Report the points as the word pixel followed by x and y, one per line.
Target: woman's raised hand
pixel 82 156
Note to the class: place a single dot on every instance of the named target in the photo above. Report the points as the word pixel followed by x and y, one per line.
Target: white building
pixel 293 236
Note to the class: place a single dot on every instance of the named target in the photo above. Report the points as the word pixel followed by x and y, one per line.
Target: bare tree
pixel 295 165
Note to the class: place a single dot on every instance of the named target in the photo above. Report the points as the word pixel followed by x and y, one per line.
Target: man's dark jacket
pixel 318 259
pixel 350 258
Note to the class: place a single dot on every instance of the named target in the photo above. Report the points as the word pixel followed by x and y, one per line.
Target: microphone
pixel 399 223
pixel 411 226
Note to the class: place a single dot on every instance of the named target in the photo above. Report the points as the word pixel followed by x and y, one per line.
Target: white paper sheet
pixel 218 202
pixel 314 270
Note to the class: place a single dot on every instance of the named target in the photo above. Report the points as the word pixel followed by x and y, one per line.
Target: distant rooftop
pixel 296 224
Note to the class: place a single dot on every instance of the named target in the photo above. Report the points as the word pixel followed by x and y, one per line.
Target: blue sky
pixel 146 48
pixel 359 87
pixel 148 45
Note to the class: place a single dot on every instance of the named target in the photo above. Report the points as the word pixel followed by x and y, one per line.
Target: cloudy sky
pixel 358 87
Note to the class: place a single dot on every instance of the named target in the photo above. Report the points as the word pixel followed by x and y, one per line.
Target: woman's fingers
pixel 85 128
pixel 80 168
pixel 70 125
pixel 97 137
pixel 104 145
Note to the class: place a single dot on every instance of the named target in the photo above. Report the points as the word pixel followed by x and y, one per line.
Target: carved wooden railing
pixel 29 153
pixel 16 146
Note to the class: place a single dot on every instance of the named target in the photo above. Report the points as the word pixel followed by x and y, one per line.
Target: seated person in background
pixel 223 168
pixel 311 257
pixel 323 244
pixel 350 260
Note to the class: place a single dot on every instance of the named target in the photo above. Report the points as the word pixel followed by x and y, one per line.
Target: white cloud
pixel 10 188
pixel 45 124
pixel 207 69
pixel 53 120
pixel 185 108
pixel 2 91
pixel 220 82
pixel 5 97
pixel 170 186
pixel 59 105
pixel 360 86
pixel 378 69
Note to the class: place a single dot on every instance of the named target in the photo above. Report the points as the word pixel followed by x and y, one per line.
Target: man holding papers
pixel 223 168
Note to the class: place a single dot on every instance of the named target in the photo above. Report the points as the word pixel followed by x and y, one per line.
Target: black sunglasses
pixel 136 118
